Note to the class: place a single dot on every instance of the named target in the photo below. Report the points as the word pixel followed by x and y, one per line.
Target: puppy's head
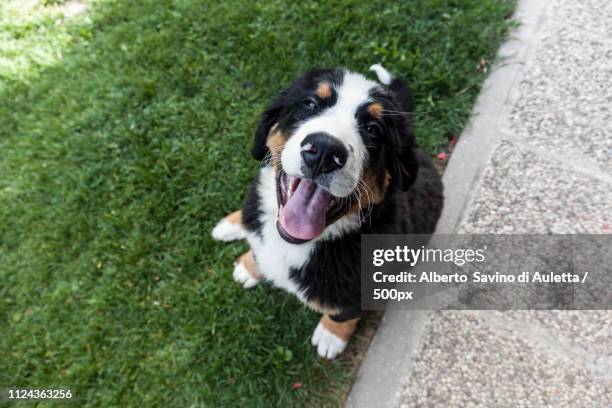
pixel 338 142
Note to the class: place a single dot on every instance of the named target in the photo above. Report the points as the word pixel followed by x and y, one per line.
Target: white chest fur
pixel 276 257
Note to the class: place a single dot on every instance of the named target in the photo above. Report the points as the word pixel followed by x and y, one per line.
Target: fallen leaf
pixel 482 65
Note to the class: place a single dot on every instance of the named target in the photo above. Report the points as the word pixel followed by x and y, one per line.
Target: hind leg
pixel 230 228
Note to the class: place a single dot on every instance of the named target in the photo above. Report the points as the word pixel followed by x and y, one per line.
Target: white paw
pixel 226 231
pixel 243 277
pixel 383 75
pixel 328 344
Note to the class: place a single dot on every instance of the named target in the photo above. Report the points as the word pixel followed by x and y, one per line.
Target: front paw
pixel 243 276
pixel 225 230
pixel 328 344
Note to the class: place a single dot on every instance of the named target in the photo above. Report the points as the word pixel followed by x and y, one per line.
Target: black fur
pixel 251 210
pixel 399 145
pixel 332 277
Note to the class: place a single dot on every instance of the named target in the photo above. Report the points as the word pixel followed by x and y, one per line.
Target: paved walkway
pixel 537 158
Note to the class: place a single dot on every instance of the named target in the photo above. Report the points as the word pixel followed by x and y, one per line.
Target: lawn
pixel 125 134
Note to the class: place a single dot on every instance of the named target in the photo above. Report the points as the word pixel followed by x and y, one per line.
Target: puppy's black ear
pixel 405 168
pixel 268 119
pixel 404 164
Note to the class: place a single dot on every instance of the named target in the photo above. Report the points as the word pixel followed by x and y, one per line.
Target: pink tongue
pixel 303 216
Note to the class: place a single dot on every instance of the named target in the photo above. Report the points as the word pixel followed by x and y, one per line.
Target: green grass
pixel 125 135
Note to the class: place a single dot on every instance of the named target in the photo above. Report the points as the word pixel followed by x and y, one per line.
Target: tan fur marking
pixel 235 217
pixel 375 110
pixel 387 180
pixel 249 263
pixel 343 330
pixel 324 90
pixel 374 193
pixel 276 142
pixel 316 306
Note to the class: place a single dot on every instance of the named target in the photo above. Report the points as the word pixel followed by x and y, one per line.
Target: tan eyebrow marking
pixel 324 90
pixel 375 109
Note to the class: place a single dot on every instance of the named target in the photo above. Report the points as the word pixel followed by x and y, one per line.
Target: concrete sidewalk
pixel 536 158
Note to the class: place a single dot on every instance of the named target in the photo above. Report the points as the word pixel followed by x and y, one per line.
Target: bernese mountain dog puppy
pixel 338 160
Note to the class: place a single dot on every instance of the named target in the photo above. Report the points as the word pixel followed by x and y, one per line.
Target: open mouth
pixel 304 208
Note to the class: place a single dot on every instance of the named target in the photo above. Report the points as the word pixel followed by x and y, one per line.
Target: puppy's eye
pixel 373 128
pixel 310 104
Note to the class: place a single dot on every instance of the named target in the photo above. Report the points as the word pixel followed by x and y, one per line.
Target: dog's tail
pixel 401 91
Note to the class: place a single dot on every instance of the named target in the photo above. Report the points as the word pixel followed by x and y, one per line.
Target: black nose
pixel 322 154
